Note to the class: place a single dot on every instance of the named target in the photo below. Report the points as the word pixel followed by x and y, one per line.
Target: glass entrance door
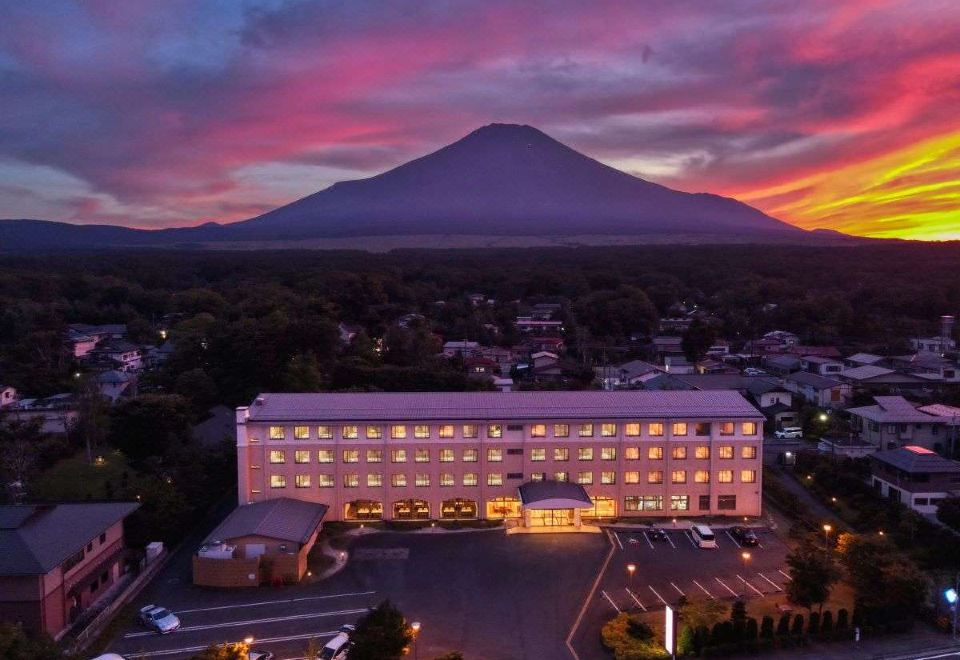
pixel 551 517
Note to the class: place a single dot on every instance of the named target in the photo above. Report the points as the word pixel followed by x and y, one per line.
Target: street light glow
pixel 827 528
pixel 248 640
pixel 415 627
pixel 951 595
pixel 631 568
pixel 746 556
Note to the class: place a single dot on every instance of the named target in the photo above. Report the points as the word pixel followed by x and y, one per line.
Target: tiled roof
pixel 893 410
pixel 34 539
pixel 283 518
pixel 388 406
pixel 813 380
pixel 915 459
pixel 865 358
pixel 865 372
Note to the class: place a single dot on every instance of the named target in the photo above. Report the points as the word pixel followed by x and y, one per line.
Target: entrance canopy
pixel 554 495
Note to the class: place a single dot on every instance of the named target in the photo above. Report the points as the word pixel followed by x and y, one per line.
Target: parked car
pixel 259 655
pixel 348 628
pixel 159 618
pixel 657 534
pixel 744 536
pixel 337 648
pixel 789 433
pixel 753 371
pixel 703 536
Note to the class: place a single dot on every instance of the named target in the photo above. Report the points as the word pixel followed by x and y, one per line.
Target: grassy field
pixel 74 479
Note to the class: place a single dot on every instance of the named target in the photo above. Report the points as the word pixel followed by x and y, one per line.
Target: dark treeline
pixel 247 321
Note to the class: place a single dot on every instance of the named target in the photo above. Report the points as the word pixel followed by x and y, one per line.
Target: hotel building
pixel 433 455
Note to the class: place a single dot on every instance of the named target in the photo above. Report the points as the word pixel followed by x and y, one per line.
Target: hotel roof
pixel 380 406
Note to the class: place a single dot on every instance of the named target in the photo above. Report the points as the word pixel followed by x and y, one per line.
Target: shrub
pixel 783 626
pixel 826 624
pixel 797 628
pixel 687 642
pixel 620 636
pixel 766 627
pixel 842 619
pixel 813 625
pixel 752 631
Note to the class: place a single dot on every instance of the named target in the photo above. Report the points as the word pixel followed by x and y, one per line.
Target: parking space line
pixel 247 622
pixel 635 599
pixel 722 584
pixel 732 539
pixel 274 602
pixel 610 600
pixel 690 538
pixel 670 541
pixel 784 574
pixel 657 595
pixel 619 542
pixel 772 583
pixel 269 640
pixel 647 539
pixel 680 591
pixel 759 593
pixel 704 590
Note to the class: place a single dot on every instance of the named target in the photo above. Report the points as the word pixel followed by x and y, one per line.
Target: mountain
pixel 502 180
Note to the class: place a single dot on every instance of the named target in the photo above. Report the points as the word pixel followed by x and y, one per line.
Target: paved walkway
pixel 790 481
pixel 922 642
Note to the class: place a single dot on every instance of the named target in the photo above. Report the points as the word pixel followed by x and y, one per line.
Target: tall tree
pixel 383 634
pixel 698 339
pixel 812 574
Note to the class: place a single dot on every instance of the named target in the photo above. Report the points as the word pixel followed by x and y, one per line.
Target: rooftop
pixel 897 410
pixel 813 380
pixel 917 459
pixel 865 372
pixel 550 494
pixel 389 406
pixel 282 518
pixel 865 358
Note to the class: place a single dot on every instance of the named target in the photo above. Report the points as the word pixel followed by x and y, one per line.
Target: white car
pixel 159 618
pixel 789 433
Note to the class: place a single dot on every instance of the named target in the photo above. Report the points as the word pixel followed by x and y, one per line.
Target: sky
pixel 839 114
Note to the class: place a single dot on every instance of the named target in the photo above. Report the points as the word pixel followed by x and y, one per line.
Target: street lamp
pixel 248 640
pixel 951 596
pixel 630 570
pixel 826 536
pixel 746 558
pixel 415 629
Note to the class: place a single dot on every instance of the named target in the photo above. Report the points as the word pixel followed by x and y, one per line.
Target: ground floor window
pixel 643 503
pixel 503 507
pixel 551 517
pixel 363 510
pixel 679 502
pixel 458 509
pixel 411 510
pixel 727 502
pixel 704 502
pixel 603 507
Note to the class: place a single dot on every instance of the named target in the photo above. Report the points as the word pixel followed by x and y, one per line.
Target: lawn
pixel 74 479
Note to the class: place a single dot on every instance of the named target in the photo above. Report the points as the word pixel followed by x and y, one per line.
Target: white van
pixel 336 648
pixel 703 536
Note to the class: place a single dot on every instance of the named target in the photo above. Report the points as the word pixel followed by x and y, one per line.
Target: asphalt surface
pixel 486 594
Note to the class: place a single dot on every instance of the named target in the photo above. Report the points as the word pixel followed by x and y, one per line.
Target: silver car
pixel 159 618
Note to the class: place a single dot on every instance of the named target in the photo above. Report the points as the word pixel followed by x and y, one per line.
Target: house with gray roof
pixel 893 422
pixel 914 476
pixel 818 390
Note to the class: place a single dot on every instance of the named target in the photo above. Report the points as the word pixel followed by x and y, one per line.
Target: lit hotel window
pixel 726 451
pixel 351 480
pixel 422 431
pixel 374 479
pixel 470 431
pixel 277 456
pixel 350 432
pixel 301 456
pixel 631 453
pixel 495 479
pixel 324 432
pixel 608 430
pixel 494 455
pixel 679 428
pixel 584 478
pixel 585 431
pixel 561 476
pixel 276 433
pixel 702 476
pixel 678 453
pixel 278 481
pixel 302 481
pixel 561 430
pixel 446 479
pixel 374 456
pixel 679 502
pixel 561 454
pixel 655 429
pixel 727 428
pixel 749 428
pixel 678 477
pixel 301 432
pixel 325 481
pixel 538 431
pixel 655 453
pixel 374 433
pixel 608 477
pixel 701 452
pixel 325 456
pixel 397 432
pixel 608 453
pixel 631 430
pixel 398 480
pixel 725 476
pixel 538 454
pixel 471 455
pixel 445 431
pixel 421 456
pixel 585 454
pixel 351 455
pixel 470 479
pixel 655 477
pixel 422 479
pixel 538 476
pixel 632 477
pixel 748 476
pixel 748 451
pixel 494 431
pixel 398 456
pixel 446 456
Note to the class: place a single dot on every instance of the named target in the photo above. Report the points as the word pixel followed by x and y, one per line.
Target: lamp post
pixel 951 595
pixel 746 558
pixel 826 537
pixel 415 629
pixel 631 568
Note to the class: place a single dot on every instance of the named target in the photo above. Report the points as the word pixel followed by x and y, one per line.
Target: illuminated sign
pixel 669 636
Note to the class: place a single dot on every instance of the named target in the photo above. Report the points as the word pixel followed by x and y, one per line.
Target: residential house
pixel 893 422
pixel 665 346
pixel 409 320
pixel 462 348
pixel 57 414
pixel 348 332
pixel 504 357
pixel 154 356
pixel 117 353
pixel 481 368
pixel 545 311
pixel 115 384
pixel 873 378
pixel 823 366
pixel 782 337
pixel 781 365
pixel 937 345
pixel 84 337
pixel 863 360
pixel 58 560
pixel 551 344
pixel 818 390
pixel 532 325
pixel 673 325
pixel 626 375
pixel 914 476
pixel 820 351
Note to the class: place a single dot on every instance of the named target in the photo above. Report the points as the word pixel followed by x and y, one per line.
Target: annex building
pixel 463 455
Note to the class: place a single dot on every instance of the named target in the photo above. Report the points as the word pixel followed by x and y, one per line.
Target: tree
pixel 382 634
pixel 797 627
pixel 198 387
pixel 687 641
pixel 92 416
pixel 843 619
pixel 697 612
pixel 766 627
pixel 698 339
pixel 948 512
pixel 812 574
pixel 149 425
pixel 783 625
pixel 752 631
pixel 813 625
pixel 236 651
pixel 452 655
pixel 826 623
pixel 16 644
pixel 20 443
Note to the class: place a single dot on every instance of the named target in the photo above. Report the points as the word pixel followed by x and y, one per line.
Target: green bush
pixel 766 627
pixel 797 628
pixel 629 638
pixel 783 625
pixel 826 624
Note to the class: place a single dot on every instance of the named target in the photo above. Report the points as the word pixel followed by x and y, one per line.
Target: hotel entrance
pixel 552 517
pixel 553 505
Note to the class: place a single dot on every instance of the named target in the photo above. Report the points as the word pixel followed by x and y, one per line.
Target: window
pixel 325 456
pixel 748 476
pixel 278 456
pixel 398 456
pixel 301 432
pixel 103 538
pixel 679 428
pixel 398 480
pixel 726 451
pixel 679 502
pixel 678 453
pixel 470 479
pixel 278 481
pixel 631 430
pixel 374 456
pixel 276 433
pixel 422 479
pixel 325 432
pixel 702 428
pixel 325 481
pixel 301 456
pixel 374 479
pixel 608 453
pixel 444 431
pixel 446 455
pixel 643 503
pixel 608 430
pixel 704 503
pixel 725 476
pixel 423 431
pixel 397 432
pixel 421 456
pixel 538 476
pixel 561 430
pixel 538 431
pixel 585 454
pixel 351 455
pixel 727 428
pixel 494 431
pixel 701 476
pixel 351 480
pixel 655 477
pixel 471 455
pixel 302 481
pixel 514 427
pixel 631 477
pixel 727 502
pixel 585 478
pixel 350 432
pixel 374 433
pixel 702 452
pixel 608 477
pixel 678 477
pixel 655 453
pixel 561 454
pixel 470 431
pixel 749 428
pixel 748 451
pixel 631 453
pixel 495 479
pixel 494 455
pixel 446 479
pixel 561 476
pixel 585 431
pixel 655 429
pixel 515 451
pixel 538 454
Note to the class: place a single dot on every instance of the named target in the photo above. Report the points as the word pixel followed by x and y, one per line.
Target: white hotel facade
pixel 433 455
